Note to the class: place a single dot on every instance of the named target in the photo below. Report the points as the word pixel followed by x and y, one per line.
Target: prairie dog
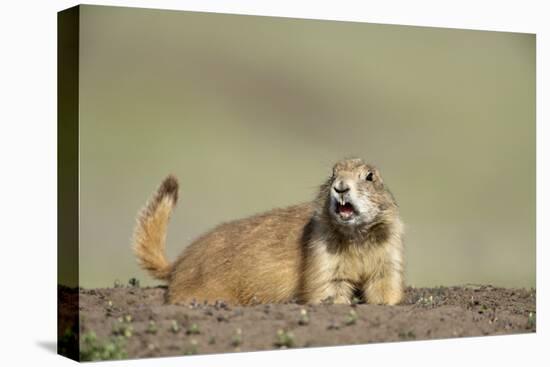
pixel 347 241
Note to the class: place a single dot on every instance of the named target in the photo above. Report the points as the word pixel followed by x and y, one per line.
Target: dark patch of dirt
pixel 147 327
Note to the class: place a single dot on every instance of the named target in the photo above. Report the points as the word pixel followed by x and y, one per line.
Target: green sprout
pixel 193 329
pixel 94 350
pixel 407 335
pixel 531 320
pixel 237 338
pixel 351 318
pixel 191 348
pixel 425 301
pixel 304 317
pixel 123 327
pixel 285 339
pixel 175 327
pixel 152 327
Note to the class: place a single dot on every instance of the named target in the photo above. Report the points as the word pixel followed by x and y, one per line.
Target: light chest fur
pixel 339 271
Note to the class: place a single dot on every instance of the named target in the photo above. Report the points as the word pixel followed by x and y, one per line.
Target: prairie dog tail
pixel 149 240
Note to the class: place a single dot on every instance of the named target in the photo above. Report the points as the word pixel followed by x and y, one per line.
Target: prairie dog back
pixel 348 239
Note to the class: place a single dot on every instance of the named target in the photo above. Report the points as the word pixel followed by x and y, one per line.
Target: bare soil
pixel 134 322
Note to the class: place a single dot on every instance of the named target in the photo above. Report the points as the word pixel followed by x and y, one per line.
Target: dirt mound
pixel 133 322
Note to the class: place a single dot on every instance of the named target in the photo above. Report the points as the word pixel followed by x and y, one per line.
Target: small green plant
pixel 175 327
pixel 426 301
pixel 285 339
pixel 152 327
pixel 482 309
pixel 191 348
pixel 109 309
pixel 193 329
pixel 237 338
pixel 351 318
pixel 133 282
pixel 94 350
pixel 68 343
pixel 531 321
pixel 409 335
pixel 304 317
pixel 123 327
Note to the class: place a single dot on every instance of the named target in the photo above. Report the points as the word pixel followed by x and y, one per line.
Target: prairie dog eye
pixel 369 176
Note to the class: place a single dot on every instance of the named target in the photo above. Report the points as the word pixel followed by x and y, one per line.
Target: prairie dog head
pixel 355 197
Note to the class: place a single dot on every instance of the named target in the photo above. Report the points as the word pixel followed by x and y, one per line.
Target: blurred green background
pixel 251 112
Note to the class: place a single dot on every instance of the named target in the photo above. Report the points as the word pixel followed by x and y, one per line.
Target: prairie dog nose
pixel 341 187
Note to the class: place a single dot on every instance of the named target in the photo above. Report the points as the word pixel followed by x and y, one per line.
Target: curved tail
pixel 149 240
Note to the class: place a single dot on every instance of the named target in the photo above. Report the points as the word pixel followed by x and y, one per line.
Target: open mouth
pixel 346 211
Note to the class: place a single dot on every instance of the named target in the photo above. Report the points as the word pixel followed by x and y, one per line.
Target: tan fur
pixel 150 233
pixel 297 253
